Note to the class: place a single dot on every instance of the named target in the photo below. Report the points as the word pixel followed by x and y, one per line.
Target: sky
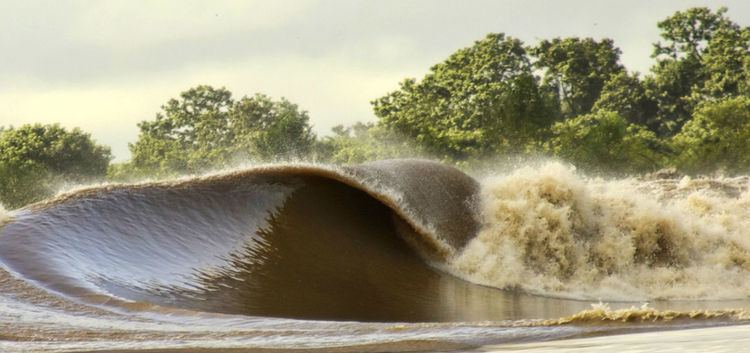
pixel 104 66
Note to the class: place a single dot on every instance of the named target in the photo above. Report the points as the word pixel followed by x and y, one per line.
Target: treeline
pixel 570 98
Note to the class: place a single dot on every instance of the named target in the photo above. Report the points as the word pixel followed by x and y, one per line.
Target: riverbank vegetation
pixel 568 98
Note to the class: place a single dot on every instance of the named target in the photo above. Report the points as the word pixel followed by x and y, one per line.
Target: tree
pixel 717 138
pixel 686 33
pixel 576 70
pixel 266 129
pixel 188 134
pixel 364 142
pixel 37 159
pixel 726 62
pixel 481 100
pixel 671 85
pixel 701 56
pixel 626 95
pixel 207 128
pixel 605 142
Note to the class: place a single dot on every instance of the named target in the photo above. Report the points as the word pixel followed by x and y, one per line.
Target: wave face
pixel 390 241
pixel 297 241
pixel 550 231
pixel 397 255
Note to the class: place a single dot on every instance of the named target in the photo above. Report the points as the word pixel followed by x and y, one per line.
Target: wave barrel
pixel 353 243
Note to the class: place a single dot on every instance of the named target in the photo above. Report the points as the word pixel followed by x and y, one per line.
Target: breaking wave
pixel 297 241
pixel 549 230
pixel 392 241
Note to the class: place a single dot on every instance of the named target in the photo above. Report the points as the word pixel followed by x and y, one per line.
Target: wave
pixel 300 241
pixel 551 231
pixel 398 240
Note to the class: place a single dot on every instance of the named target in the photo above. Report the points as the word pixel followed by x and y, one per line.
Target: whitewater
pixel 399 255
pixel 551 231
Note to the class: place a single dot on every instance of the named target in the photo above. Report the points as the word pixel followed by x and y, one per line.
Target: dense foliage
pixel 481 101
pixel 580 103
pixel 569 98
pixel 36 159
pixel 717 137
pixel 363 142
pixel 576 70
pixel 605 141
pixel 206 128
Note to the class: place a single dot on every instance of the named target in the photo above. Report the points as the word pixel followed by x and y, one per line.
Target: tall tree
pixel 266 129
pixel 700 56
pixel 717 138
pixel 37 159
pixel 482 99
pixel 686 33
pixel 189 133
pixel 726 63
pixel 626 95
pixel 605 142
pixel 364 142
pixel 207 128
pixel 576 70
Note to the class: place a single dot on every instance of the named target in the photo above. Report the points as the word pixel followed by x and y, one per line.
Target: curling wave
pixel 299 241
pixel 399 240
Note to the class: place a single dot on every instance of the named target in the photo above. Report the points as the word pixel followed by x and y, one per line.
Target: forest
pixel 499 99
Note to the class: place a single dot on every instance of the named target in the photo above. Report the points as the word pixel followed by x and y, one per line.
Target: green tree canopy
pixel 605 142
pixel 686 33
pixel 702 55
pixel 207 128
pixel 626 95
pixel 576 70
pixel 717 138
pixel 189 133
pixel 726 62
pixel 265 129
pixel 481 100
pixel 36 159
pixel 363 142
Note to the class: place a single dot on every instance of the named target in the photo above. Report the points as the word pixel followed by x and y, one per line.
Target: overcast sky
pixel 104 66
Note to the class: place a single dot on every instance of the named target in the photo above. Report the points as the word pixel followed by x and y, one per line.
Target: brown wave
pixel 300 241
pixel 436 201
